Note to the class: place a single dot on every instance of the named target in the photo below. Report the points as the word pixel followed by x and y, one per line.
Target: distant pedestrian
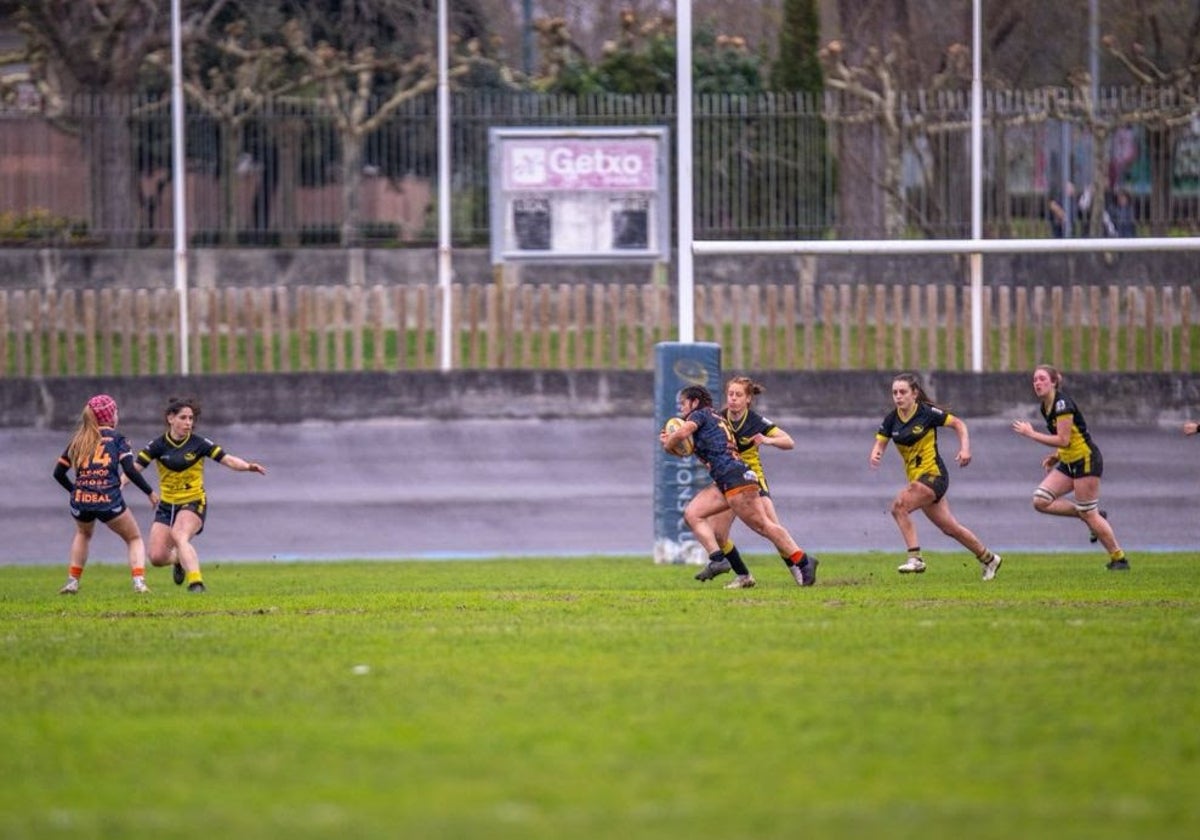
pixel 913 426
pixel 1120 215
pixel 1062 210
pixel 99 454
pixel 1075 467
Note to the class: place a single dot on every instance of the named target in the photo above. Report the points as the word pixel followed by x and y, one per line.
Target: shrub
pixel 39 226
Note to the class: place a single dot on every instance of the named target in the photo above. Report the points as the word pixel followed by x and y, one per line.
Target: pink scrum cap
pixel 105 409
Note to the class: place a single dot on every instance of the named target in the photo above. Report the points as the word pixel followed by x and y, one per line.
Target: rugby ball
pixel 682 448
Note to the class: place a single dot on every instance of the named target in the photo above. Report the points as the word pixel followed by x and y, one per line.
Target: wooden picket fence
pixel 761 327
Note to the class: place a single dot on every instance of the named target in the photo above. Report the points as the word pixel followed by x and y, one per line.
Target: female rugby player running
pixel 750 430
pixel 1075 467
pixel 913 424
pixel 738 485
pixel 181 514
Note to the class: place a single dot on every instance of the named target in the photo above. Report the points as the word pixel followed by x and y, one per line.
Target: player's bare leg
pixel 748 506
pixel 916 496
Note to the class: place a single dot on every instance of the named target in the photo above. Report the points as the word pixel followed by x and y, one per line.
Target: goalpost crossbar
pixel 866 247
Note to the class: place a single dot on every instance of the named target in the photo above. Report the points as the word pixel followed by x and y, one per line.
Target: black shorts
pixel 87 514
pixel 1092 465
pixel 735 480
pixel 939 484
pixel 166 512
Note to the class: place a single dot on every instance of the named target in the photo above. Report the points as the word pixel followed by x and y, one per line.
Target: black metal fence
pixel 773 166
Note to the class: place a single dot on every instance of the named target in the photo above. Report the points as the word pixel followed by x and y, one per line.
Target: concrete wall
pixel 283 398
pixel 289 398
pixel 208 267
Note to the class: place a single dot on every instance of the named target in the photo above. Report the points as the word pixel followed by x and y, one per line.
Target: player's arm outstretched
pixel 242 465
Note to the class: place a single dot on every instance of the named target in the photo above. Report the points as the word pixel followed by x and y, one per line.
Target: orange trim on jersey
pixel 741 489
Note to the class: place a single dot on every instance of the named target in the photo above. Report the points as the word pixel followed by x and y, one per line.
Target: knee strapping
pixel 1084 507
pixel 1043 495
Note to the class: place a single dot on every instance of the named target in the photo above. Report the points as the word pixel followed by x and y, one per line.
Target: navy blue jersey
pixel 98 478
pixel 715 444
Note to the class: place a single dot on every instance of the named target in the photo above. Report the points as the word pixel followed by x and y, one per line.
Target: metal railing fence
pixel 767 166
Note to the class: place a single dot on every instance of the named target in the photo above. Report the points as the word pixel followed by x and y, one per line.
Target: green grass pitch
pixel 604 698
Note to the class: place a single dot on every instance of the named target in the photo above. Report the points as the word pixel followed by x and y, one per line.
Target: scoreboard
pixel 574 195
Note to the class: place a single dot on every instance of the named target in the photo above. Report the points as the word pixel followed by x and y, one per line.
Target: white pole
pixel 975 248
pixel 848 247
pixel 179 185
pixel 1094 49
pixel 976 258
pixel 443 106
pixel 683 170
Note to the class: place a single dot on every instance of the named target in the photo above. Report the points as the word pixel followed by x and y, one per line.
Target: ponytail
pixel 85 440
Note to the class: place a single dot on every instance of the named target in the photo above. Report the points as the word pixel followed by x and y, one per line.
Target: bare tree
pixel 872 101
pixel 868 63
pixel 85 58
pixel 593 24
pixel 1171 73
pixel 231 76
pixel 888 51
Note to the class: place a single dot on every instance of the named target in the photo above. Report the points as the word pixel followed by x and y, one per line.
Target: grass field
pixel 598 698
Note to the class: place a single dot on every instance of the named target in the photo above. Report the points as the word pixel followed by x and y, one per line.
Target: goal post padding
pixel 677 480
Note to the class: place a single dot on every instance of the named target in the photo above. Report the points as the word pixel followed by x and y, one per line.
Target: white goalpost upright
pixel 683 168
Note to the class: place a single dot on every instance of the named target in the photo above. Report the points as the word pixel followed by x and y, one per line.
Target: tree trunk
pixel 860 213
pixel 865 209
pixel 1158 144
pixel 893 182
pixel 1000 199
pixel 352 153
pixel 945 159
pixel 230 143
pixel 289 168
pixel 108 143
pixel 1101 153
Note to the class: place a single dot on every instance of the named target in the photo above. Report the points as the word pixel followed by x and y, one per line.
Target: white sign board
pixel 579 194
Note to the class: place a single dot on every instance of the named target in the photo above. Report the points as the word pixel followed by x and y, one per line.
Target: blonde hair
pixel 1054 373
pixel 752 388
pixel 85 440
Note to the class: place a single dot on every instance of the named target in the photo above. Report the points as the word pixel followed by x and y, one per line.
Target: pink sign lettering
pixel 566 164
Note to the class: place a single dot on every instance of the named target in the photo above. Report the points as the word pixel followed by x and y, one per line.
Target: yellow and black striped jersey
pixel 916 439
pixel 1079 445
pixel 180 466
pixel 744 429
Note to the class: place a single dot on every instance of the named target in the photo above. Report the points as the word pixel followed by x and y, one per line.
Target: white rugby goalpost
pixel 975 247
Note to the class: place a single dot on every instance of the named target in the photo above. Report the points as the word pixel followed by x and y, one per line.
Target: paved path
pixel 523 487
